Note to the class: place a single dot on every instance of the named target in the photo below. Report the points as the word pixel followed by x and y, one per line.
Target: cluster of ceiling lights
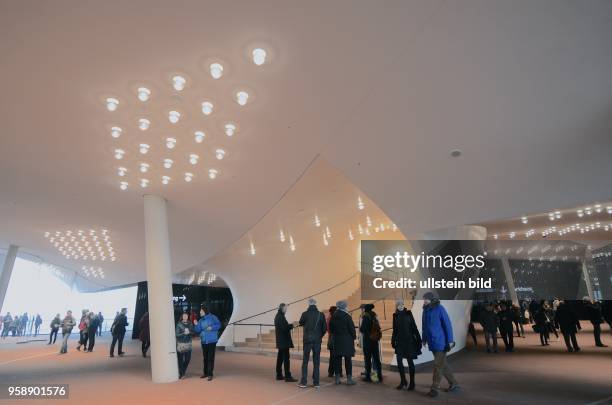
pixel 90 245
pixel 597 208
pixel 362 229
pixel 178 83
pixel 92 271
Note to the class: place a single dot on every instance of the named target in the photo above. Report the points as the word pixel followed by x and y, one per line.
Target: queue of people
pixel 406 342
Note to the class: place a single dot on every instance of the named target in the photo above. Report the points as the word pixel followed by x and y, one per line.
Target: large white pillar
pixel 510 281
pixel 587 279
pixel 164 366
pixel 7 270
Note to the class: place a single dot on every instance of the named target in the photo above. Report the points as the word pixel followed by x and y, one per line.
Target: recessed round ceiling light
pixel 174 116
pixel 119 154
pixel 144 124
pixel 144 167
pixel 143 148
pixel 178 82
pixel 259 56
pixel 116 132
pixel 207 108
pixel 216 70
pixel 199 136
pixel 188 177
pixel 165 179
pixel 455 153
pixel 220 154
pixel 230 129
pixel 143 183
pixel 242 97
pixel 170 143
pixel 112 104
pixel 193 158
pixel 212 173
pixel 123 185
pixel 122 171
pixel 143 94
pixel 168 163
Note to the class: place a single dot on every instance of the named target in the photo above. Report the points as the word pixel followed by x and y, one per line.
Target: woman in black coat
pixel 342 331
pixel 283 344
pixel 567 320
pixel 406 340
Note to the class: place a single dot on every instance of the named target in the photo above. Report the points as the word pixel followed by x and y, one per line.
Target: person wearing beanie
pixel 371 332
pixel 406 341
pixel 438 335
pixel 284 342
pixel 313 322
pixel 331 366
pixel 342 337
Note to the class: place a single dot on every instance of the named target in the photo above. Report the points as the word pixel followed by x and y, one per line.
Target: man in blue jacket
pixel 208 328
pixel 438 335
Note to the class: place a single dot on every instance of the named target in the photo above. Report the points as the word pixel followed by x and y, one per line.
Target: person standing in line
pixel 533 307
pixel 145 333
pixel 83 330
pixel 100 323
pixel 331 367
pixel 313 322
pixel 92 328
pixel 118 332
pixel 542 325
pixel 24 324
pixel 6 322
pixel 406 340
pixel 550 314
pixel 342 335
pixel 284 342
pixel 567 320
pixel 184 329
pixel 37 323
pixel 506 329
pixel 67 324
pixel 370 329
pixel 438 335
pixel 54 326
pixel 519 320
pixel 208 328
pixel 596 318
pixel 490 322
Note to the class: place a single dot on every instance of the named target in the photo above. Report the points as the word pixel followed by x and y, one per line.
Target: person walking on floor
pixel 406 341
pixel 145 333
pixel 54 327
pixel 550 314
pixel 490 322
pixel 92 328
pixel 6 322
pixel 208 328
pixel 519 320
pixel 542 325
pixel 118 332
pixel 83 330
pixel 284 342
pixel 184 329
pixel 37 322
pixel 67 324
pixel 595 316
pixel 331 366
pixel 438 335
pixel 342 336
pixel 567 320
pixel 506 327
pixel 370 329
pixel 313 322
pixel 100 323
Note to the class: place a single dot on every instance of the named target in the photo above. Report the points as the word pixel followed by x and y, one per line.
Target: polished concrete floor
pixel 532 375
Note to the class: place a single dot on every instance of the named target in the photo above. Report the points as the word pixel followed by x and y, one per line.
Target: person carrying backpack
pixel 370 329
pixel 313 322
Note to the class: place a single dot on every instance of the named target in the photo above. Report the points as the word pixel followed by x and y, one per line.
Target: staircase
pixel 265 343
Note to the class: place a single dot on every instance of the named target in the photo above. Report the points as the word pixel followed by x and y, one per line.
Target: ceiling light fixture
pixel 119 154
pixel 122 171
pixel 178 82
pixel 360 204
pixel 168 163
pixel 174 116
pixel 144 183
pixel 123 185
pixel 281 235
pixel 112 104
pixel 252 250
pixel 524 220
pixel 143 148
pixel 259 56
pixel 116 132
pixel 188 177
pixel 242 97
pixel 193 158
pixel 220 154
pixel 143 94
pixel 230 129
pixel 350 235
pixel 216 70
pixel 199 136
pixel 165 180
pixel 144 167
pixel 212 173
pixel 207 107
pixel 170 143
pixel 144 124
pixel 317 221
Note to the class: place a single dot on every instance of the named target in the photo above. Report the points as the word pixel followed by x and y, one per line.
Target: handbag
pixel 182 347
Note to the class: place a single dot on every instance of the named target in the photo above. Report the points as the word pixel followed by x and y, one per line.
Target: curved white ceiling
pixel 383 91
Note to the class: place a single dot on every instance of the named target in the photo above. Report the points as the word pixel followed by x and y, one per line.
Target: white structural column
pixel 510 281
pixel 7 270
pixel 587 279
pixel 164 367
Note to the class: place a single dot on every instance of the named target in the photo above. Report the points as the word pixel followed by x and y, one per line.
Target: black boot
pixel 411 385
pixel 401 385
